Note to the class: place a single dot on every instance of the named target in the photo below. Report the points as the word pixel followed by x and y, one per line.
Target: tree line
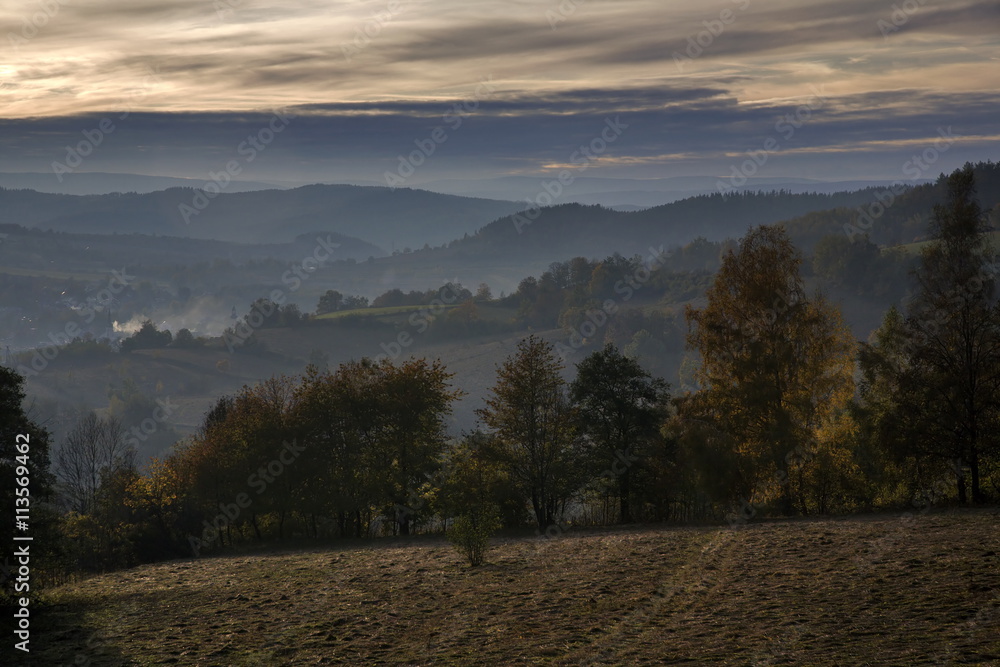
pixel 782 412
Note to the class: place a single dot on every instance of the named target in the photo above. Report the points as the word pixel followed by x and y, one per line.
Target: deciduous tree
pixel 775 364
pixel 621 409
pixel 535 428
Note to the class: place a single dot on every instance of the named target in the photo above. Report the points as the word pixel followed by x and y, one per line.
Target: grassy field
pixel 917 248
pixel 58 275
pixel 872 590
pixel 489 312
pixel 380 312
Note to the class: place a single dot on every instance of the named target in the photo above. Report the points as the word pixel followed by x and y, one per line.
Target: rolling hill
pixel 390 219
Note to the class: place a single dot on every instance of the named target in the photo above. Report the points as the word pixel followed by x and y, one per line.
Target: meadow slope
pixel 870 590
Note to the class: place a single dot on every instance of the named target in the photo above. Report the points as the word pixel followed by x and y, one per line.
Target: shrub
pixel 148 337
pixel 471 533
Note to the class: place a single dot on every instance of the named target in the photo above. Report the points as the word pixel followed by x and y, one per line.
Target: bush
pixel 148 337
pixel 471 533
pixel 186 340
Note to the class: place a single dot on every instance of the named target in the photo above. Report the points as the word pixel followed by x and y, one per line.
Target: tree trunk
pixel 624 490
pixel 802 493
pixel 787 501
pixel 977 494
pixel 539 510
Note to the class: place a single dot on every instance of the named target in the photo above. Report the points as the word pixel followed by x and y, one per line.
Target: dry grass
pixel 865 590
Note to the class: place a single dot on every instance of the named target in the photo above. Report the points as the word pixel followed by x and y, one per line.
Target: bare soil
pixel 871 590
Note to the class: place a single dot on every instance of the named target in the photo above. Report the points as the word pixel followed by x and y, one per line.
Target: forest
pixel 785 414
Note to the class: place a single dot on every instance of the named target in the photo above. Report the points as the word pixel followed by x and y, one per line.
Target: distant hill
pixel 99 183
pixel 617 193
pixel 594 231
pixel 891 220
pixel 35 248
pixel 391 219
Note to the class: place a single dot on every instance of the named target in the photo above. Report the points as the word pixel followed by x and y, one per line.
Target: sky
pixel 358 91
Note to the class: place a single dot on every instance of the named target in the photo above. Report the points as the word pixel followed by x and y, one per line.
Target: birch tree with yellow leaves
pixel 776 373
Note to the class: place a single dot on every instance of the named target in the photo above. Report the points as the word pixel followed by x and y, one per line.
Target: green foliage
pixel 449 293
pixel 17 428
pixel 931 390
pixel 765 421
pixel 186 340
pixel 472 478
pixel 860 267
pixel 535 429
pixel 471 531
pixel 621 408
pixel 330 302
pixel 94 545
pixel 148 337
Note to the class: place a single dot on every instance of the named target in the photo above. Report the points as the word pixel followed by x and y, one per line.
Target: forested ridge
pixel 783 413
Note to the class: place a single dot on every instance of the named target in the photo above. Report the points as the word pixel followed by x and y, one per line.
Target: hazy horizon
pixel 844 91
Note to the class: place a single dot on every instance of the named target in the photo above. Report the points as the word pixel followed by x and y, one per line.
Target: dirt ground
pixel 871 590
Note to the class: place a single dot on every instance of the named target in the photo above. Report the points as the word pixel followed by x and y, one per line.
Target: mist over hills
pixel 202 283
pixel 99 183
pixel 36 248
pixel 505 240
pixel 592 231
pixel 608 192
pixel 638 192
pixel 384 220
pixel 890 216
pixel 390 219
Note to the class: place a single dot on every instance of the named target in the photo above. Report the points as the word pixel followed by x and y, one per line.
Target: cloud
pixel 367 79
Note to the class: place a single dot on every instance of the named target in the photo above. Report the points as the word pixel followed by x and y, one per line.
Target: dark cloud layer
pixel 369 81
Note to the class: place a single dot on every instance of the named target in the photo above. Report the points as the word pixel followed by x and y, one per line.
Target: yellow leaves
pixel 777 367
pixel 159 489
